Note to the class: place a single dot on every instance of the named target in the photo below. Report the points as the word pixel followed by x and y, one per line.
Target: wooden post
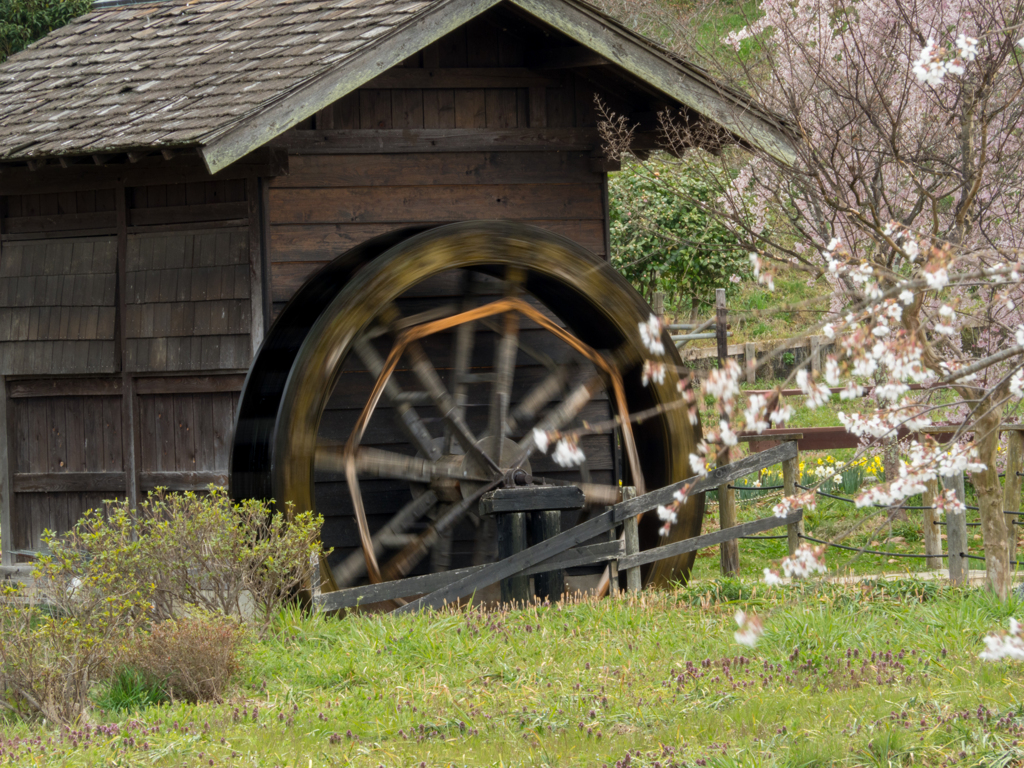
pixel 1011 489
pixel 658 303
pixel 314 575
pixel 816 362
pixel 511 541
pixel 932 533
pixel 790 475
pixel 750 361
pixel 729 551
pixel 631 533
pixel 956 534
pixel 545 525
pixel 6 527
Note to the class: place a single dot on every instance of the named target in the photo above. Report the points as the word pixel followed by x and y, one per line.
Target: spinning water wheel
pixel 407 378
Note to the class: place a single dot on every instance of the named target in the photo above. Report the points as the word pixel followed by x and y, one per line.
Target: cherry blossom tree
pixel 906 196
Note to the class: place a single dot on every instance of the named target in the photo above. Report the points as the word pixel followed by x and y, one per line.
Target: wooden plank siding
pixel 188 301
pixel 57 306
pixel 73 439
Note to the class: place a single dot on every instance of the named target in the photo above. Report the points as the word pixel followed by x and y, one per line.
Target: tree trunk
pixel 990 500
pixel 694 309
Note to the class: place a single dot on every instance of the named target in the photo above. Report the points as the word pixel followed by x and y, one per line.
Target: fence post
pixel 790 473
pixel 816 354
pixel 314 577
pixel 631 533
pixel 956 533
pixel 658 303
pixel 511 541
pixel 750 361
pixel 729 550
pixel 1011 489
pixel 932 533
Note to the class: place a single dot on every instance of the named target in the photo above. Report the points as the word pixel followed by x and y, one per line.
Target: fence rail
pixel 570 547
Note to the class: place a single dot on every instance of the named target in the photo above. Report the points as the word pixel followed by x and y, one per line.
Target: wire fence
pixel 863 550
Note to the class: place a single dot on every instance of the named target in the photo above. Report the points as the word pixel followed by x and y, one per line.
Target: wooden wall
pixel 112 299
pixel 463 130
pixel 132 297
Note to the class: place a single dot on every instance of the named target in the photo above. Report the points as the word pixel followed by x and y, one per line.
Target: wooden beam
pixel 419 585
pixel 463 77
pixel 252 198
pixel 6 526
pixel 256 129
pixel 62 387
pixel 183 385
pixel 683 83
pixel 182 214
pixel 151 170
pixel 181 481
pixel 397 140
pixel 168 153
pixel 49 224
pixel 134 157
pixel 709 540
pixel 565 58
pixel 35 165
pixel 101 159
pixel 68 482
pixel 531 498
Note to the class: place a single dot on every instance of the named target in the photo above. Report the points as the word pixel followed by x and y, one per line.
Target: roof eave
pixel 587 27
pixel 241 136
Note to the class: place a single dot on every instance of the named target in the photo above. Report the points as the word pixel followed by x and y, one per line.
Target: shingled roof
pixel 226 76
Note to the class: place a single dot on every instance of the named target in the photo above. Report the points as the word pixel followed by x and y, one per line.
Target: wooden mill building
pixel 172 172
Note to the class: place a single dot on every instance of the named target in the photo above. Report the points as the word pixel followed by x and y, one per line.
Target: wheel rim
pixel 599 312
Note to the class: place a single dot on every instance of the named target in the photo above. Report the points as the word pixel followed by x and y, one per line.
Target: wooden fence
pixel 574 546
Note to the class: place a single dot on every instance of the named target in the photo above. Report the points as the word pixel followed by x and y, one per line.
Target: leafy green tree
pixel 662 236
pixel 22 22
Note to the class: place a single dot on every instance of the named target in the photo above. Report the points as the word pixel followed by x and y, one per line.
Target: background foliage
pixel 662 237
pixel 22 22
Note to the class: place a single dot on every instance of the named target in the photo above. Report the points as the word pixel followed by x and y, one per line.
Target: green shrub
pixel 203 551
pixel 86 606
pixel 195 564
pixel 662 236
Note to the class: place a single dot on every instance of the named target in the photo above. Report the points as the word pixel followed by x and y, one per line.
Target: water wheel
pixel 407 377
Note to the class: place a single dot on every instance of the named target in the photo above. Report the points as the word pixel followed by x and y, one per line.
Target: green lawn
pixel 883 675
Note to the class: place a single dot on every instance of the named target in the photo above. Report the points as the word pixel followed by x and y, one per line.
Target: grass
pixel 873 675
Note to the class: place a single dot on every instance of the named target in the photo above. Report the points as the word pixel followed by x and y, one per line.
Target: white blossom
pixel 727 436
pixel 772 578
pixel 568 454
pixel 653 371
pixel 650 335
pixel 832 371
pixel 1017 384
pixel 697 464
pixel 541 439
pixel 907 297
pixel 750 629
pixel 967 47
pixel 1004 645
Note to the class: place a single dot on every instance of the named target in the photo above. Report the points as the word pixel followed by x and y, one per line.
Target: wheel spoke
pixel 465 335
pixel 431 382
pixel 408 419
pixel 354 566
pixel 409 558
pixel 375 462
pixel 538 397
pixel 501 392
pixel 558 417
